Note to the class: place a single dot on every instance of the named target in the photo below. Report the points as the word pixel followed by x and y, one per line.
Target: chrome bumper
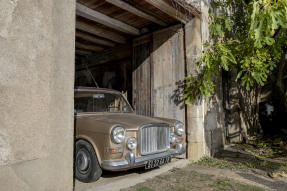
pixel 132 162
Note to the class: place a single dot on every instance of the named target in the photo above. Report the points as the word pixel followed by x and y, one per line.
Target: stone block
pixel 196 151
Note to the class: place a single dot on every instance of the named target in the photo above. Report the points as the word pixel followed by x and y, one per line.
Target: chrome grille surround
pixel 154 138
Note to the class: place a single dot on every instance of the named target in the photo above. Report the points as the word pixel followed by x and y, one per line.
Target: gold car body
pixel 96 127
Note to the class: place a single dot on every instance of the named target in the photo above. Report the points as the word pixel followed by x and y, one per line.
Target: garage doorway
pixel 137 48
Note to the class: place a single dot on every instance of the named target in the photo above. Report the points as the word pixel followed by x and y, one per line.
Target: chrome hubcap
pixel 83 161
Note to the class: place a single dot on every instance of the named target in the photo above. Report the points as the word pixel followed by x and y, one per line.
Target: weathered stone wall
pixel 205 119
pixel 36 94
pixel 196 146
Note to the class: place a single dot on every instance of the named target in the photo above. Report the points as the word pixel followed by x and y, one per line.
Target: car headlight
pixel 179 128
pixel 118 134
pixel 132 143
pixel 172 138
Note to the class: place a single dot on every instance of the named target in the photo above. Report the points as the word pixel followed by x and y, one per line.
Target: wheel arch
pixel 89 140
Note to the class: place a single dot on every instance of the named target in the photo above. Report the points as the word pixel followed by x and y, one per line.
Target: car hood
pixel 130 121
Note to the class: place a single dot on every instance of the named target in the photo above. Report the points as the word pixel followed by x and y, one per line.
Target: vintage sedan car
pixel 110 136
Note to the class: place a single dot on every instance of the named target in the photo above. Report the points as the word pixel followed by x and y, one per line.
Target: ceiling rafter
pixel 101 32
pixel 83 52
pixel 94 39
pixel 98 17
pixel 108 55
pixel 127 7
pixel 89 47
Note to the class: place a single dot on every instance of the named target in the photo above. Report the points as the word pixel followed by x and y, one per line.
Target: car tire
pixel 87 168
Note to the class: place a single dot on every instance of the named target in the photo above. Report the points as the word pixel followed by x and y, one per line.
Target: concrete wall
pixel 36 94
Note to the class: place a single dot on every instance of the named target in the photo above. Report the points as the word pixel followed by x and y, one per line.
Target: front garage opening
pixel 135 47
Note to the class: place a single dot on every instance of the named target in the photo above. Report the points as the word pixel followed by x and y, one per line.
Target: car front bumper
pixel 131 161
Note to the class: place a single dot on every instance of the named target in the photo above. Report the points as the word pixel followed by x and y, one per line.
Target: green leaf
pixel 248 40
pixel 270 41
pixel 239 75
pixel 227 24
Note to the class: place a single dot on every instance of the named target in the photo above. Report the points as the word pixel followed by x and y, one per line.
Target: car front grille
pixel 154 138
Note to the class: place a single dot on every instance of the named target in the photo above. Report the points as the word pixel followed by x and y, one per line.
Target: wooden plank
pixel 141 78
pixel 125 6
pixel 169 10
pixel 98 17
pixel 167 71
pixel 89 47
pixel 101 32
pixel 94 39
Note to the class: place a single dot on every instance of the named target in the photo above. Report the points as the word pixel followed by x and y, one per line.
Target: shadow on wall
pixel 158 65
pixel 234 122
pixel 213 128
pixel 214 134
pixel 178 94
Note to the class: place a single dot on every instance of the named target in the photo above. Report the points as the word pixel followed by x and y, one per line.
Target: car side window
pixel 100 105
pixel 84 104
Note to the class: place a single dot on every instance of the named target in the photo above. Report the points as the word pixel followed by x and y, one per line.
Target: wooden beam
pixel 83 52
pixel 89 47
pixel 125 6
pixel 188 7
pixel 94 39
pixel 98 17
pixel 98 4
pixel 101 32
pixel 169 10
pixel 108 55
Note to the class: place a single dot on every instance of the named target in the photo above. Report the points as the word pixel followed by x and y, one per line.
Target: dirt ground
pixel 188 179
pixel 114 181
pixel 253 166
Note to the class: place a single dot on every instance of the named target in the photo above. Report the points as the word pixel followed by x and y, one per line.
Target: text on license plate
pixel 157 162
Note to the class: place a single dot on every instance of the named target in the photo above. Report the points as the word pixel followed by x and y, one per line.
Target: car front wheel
pixel 87 168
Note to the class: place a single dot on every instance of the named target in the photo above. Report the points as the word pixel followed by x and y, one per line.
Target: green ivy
pixel 249 39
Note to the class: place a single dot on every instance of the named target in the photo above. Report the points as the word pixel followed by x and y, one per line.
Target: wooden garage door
pixel 158 63
pixel 167 71
pixel 142 48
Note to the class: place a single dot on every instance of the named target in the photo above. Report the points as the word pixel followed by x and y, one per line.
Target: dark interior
pixel 105 47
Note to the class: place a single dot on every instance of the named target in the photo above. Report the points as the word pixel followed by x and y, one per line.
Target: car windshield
pixel 101 102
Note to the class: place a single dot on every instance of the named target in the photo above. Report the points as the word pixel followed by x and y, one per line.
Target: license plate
pixel 157 162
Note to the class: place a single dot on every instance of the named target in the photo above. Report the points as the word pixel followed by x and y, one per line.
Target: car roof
pixel 94 89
